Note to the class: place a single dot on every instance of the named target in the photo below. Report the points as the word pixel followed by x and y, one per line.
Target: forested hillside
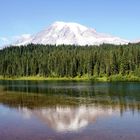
pixel 70 61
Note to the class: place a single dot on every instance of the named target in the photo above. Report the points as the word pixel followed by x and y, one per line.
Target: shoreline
pixel 113 78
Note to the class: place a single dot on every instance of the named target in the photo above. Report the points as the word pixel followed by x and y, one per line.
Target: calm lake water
pixel 42 110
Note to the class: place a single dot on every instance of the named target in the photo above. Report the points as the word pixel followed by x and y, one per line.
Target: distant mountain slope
pixel 69 34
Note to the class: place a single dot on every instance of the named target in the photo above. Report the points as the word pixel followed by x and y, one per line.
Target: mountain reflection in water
pixel 69 110
pixel 67 119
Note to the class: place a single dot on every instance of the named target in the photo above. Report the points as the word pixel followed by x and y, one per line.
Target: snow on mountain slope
pixel 69 34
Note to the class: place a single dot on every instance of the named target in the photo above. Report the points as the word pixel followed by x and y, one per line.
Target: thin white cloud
pixel 4 39
pixel 21 37
pixel 136 41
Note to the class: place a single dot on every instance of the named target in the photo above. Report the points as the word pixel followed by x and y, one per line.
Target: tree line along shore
pixel 69 62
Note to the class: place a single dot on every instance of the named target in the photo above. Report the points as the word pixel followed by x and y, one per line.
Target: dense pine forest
pixel 70 61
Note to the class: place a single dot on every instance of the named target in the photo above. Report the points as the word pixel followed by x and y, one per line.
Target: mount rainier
pixel 69 34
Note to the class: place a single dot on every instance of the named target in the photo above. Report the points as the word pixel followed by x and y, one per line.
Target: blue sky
pixel 117 17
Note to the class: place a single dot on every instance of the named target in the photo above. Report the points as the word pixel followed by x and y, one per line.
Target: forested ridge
pixel 70 61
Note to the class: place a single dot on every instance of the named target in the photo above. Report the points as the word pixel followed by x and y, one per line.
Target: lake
pixel 68 110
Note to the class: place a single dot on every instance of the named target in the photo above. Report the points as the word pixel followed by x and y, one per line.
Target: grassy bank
pixel 84 78
pixel 45 78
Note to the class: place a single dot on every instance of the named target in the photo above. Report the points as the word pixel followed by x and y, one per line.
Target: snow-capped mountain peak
pixel 70 34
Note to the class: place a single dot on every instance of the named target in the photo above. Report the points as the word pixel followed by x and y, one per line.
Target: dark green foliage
pixel 70 61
